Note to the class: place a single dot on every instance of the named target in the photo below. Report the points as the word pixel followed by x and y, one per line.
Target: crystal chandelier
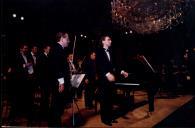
pixel 147 16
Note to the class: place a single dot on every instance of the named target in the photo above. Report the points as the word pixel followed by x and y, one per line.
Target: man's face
pixel 93 56
pixel 65 40
pixel 35 50
pixel 24 49
pixel 47 49
pixel 107 41
pixel 70 57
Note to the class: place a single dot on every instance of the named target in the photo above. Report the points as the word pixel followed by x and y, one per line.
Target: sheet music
pixel 76 80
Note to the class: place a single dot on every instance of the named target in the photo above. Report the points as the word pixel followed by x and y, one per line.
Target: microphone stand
pixel 74 90
pixel 148 64
pixel 75 38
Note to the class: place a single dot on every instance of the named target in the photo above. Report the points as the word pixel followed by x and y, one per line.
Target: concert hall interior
pixel 97 63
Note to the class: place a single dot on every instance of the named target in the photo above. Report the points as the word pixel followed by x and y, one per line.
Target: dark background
pixel 43 18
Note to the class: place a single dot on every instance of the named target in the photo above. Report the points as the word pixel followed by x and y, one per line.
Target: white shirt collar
pixel 45 53
pixel 60 44
pixel 32 54
pixel 106 48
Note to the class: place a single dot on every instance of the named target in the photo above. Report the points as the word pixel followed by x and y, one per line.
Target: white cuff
pixel 122 71
pixel 61 80
pixel 107 74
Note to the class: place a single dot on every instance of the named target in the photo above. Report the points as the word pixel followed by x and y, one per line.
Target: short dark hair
pixel 91 52
pixel 32 46
pixel 59 35
pixel 45 46
pixel 22 45
pixel 104 37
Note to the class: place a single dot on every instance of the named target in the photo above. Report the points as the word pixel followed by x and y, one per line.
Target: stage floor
pixel 136 117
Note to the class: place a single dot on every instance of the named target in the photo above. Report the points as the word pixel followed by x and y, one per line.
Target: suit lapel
pixel 110 52
pixel 105 54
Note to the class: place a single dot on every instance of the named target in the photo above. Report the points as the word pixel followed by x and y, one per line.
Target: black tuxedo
pixel 43 69
pixel 59 69
pixel 90 71
pixel 31 56
pixel 22 94
pixel 104 65
pixel 43 80
pixel 19 69
pixel 59 65
pixel 34 62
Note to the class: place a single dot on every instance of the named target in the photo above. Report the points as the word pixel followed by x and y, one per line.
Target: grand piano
pixel 142 76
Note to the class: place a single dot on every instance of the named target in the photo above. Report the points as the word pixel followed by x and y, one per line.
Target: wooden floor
pixel 138 117
pixel 134 118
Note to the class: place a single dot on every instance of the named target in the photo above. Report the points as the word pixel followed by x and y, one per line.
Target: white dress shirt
pixel 108 54
pixel 30 68
pixel 34 58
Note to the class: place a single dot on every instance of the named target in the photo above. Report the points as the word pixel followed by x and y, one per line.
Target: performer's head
pixel 46 49
pixel 24 49
pixel 106 41
pixel 34 49
pixel 70 57
pixel 63 38
pixel 92 55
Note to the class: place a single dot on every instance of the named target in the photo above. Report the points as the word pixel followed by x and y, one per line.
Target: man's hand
pixel 125 74
pixel 110 77
pixel 61 88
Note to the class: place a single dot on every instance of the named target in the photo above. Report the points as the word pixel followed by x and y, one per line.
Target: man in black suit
pixel 106 71
pixel 90 81
pixel 43 78
pixel 22 97
pixel 34 54
pixel 60 78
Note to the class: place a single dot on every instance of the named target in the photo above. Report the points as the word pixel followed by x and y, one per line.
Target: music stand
pixel 76 80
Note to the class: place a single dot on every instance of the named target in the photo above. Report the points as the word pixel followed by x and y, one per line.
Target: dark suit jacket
pixel 104 65
pixel 59 65
pixel 34 65
pixel 90 69
pixel 21 72
pixel 43 69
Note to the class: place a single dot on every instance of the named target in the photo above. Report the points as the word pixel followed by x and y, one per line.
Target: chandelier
pixel 147 16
